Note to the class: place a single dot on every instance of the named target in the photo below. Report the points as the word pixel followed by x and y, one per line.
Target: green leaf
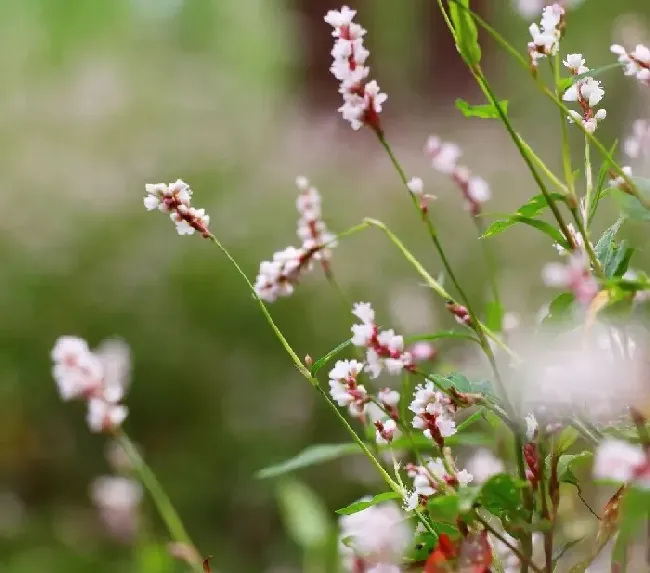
pixel 461 383
pixel 501 225
pixel 443 334
pixel 444 508
pixel 635 507
pixel 501 495
pixel 494 312
pixel 360 505
pixel 565 83
pixel 629 205
pixel 304 514
pixel 471 419
pixel 483 111
pixel 465 31
pixel 560 309
pixel 537 204
pixel 613 258
pixel 316 366
pixel 310 456
pixel 567 463
pixel 566 439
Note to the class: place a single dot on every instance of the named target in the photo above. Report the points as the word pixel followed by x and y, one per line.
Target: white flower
pixel 385 431
pixel 388 397
pixel 483 465
pixel 312 230
pixel 384 349
pixel 577 239
pixel 118 500
pixel 531 427
pixel 415 185
pixel 175 199
pixel 430 477
pixel 277 278
pixel 574 276
pixel 588 93
pixel 618 181
pixel 636 63
pixel 576 64
pixel 433 413
pixel 101 377
pixel 444 158
pixel 379 534
pixel 619 461
pixel 104 416
pixel 546 36
pixel 344 388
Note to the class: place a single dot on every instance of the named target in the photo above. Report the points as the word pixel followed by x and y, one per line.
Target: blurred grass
pixel 100 97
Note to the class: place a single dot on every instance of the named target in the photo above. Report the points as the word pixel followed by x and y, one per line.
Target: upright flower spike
pixel 175 199
pixel 546 37
pixel 384 349
pixel 362 99
pixel 586 92
pixel 444 158
pixel 312 230
pixel 636 63
pixel 345 390
pixel 279 277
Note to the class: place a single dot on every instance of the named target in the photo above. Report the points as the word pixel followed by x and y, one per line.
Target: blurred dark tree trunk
pixel 442 78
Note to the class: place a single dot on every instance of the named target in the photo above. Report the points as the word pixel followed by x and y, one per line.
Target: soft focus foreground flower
pixel 444 158
pixel 376 537
pixel 546 37
pixel 586 92
pixel 101 377
pixel 638 143
pixel 483 465
pixel 622 462
pixel 384 349
pixel 575 276
pixel 312 230
pixel 362 99
pixel 118 500
pixel 434 413
pixel 175 199
pixel 531 427
pixel 636 63
pixel 564 373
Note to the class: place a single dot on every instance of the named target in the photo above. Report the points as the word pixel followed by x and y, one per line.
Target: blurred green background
pixel 99 97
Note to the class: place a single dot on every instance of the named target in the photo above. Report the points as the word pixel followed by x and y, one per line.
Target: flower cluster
pixel 312 230
pixel 384 349
pixel 99 377
pixel 278 277
pixel 636 63
pixel 362 100
pixel 622 462
pixel 175 199
pixel 344 388
pixel 118 500
pixel 375 539
pixel 444 158
pixel 434 413
pixel 575 276
pixel 586 91
pixel 546 37
pixel 431 478
pixel 638 143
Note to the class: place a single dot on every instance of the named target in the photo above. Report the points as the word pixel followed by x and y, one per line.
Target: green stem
pixel 544 168
pixel 161 500
pixel 589 184
pixel 303 369
pixel 548 534
pixel 595 263
pixel 490 264
pixel 566 150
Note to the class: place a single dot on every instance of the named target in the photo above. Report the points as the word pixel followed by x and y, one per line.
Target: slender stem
pixel 595 263
pixel 523 558
pixel 161 500
pixel 589 183
pixel 544 168
pixel 548 534
pixel 304 370
pixel 566 150
pixel 435 285
pixel 490 264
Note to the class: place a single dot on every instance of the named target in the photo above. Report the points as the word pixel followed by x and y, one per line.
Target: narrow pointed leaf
pixel 360 505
